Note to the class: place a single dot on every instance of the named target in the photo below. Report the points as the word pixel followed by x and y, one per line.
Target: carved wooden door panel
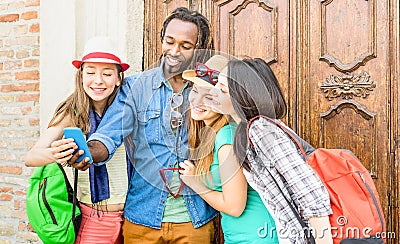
pixel 347 84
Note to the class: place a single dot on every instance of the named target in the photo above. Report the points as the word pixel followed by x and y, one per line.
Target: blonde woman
pixel 99 75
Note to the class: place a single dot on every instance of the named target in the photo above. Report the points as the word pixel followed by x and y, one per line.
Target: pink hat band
pixel 100 57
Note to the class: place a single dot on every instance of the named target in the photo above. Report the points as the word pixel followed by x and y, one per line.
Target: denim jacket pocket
pixel 149 120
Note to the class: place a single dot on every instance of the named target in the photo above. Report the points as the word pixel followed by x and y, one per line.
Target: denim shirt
pixel 143 103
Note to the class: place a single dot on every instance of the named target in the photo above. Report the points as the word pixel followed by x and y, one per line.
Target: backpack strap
pixel 75 200
pixel 287 132
pixel 307 231
pixel 74 190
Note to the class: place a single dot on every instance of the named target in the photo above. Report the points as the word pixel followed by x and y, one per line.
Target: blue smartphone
pixel 76 134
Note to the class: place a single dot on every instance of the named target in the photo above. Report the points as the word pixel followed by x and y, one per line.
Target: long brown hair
pixel 254 90
pixel 201 142
pixel 76 106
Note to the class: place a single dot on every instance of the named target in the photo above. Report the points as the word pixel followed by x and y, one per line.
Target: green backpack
pixel 51 204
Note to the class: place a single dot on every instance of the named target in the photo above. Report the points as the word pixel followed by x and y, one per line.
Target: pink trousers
pixel 100 227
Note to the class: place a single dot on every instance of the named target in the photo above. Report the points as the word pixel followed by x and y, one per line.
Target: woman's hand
pixel 188 173
pixel 62 150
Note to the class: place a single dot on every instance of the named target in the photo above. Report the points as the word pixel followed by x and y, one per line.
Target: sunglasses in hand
pixel 162 174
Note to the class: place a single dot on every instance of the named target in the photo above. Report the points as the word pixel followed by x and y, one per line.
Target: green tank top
pixel 256 224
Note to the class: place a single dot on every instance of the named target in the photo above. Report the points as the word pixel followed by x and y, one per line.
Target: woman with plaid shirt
pixel 274 168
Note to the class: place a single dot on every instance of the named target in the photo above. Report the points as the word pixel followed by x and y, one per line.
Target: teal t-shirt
pixel 256 224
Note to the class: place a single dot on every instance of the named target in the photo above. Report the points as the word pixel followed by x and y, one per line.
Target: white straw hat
pixel 100 49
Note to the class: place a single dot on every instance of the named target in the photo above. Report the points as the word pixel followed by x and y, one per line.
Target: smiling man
pixel 149 112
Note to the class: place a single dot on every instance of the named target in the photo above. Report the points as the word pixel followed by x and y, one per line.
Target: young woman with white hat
pixel 103 188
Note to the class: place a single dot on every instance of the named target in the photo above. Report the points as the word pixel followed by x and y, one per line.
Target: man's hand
pixel 98 151
pixel 82 165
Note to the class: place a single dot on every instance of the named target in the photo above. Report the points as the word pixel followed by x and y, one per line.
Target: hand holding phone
pixel 76 134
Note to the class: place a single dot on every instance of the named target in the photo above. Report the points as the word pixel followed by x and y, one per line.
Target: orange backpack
pixel 357 214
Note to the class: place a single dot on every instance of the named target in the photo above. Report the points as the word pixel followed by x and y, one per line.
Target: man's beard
pixel 173 70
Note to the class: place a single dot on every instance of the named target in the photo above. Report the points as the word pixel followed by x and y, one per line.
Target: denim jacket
pixel 143 103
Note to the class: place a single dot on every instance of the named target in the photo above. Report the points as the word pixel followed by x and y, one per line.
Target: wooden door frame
pixel 394 160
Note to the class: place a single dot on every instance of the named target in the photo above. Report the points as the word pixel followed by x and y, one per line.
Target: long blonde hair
pixel 77 105
pixel 202 141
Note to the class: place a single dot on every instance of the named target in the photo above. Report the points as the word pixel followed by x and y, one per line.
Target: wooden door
pixel 346 86
pixel 336 62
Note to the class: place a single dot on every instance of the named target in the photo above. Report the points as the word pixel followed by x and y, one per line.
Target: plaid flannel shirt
pixel 275 152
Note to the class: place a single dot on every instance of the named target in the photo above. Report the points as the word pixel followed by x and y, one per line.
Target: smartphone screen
pixel 76 134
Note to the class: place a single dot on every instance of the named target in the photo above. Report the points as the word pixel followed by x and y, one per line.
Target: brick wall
pixel 19 112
